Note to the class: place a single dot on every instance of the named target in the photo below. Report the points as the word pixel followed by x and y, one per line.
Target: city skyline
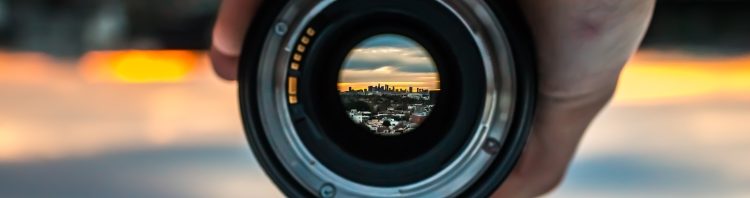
pixel 389 59
pixel 344 87
pixel 385 87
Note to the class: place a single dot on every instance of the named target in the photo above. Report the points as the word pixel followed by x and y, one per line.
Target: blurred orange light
pixel 139 66
pixel 656 76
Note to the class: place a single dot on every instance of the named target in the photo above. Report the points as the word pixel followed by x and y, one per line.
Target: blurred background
pixel 116 98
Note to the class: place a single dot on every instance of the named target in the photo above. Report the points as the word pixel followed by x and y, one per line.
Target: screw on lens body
pixel 327 191
pixel 491 146
pixel 280 28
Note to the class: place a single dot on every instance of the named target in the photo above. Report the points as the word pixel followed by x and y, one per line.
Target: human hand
pixel 581 45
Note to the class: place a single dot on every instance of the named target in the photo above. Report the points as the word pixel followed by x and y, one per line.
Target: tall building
pixel 410 90
pixel 350 89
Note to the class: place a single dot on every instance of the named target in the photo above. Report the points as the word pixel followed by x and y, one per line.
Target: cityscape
pixel 388 110
pixel 389 84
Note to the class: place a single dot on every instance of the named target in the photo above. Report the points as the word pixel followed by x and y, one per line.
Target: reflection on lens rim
pixel 453 179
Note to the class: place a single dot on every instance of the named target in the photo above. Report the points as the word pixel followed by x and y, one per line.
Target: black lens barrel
pixel 318 115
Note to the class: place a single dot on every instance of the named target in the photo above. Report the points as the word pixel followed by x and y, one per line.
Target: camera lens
pixel 387 98
pixel 388 84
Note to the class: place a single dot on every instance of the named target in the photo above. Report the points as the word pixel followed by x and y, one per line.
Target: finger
pixel 228 34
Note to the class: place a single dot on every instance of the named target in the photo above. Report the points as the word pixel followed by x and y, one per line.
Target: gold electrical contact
pixel 310 31
pixel 295 64
pixel 292 89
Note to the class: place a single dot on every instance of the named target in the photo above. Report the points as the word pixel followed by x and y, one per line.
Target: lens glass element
pixel 388 84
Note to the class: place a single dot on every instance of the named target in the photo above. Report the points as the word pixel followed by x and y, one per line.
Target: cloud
pixel 389 74
pixel 403 59
pixel 390 50
pixel 390 58
pixel 389 40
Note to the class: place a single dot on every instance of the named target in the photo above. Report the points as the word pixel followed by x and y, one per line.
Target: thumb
pixel 228 34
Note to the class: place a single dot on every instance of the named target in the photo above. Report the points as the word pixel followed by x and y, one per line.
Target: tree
pixel 359 106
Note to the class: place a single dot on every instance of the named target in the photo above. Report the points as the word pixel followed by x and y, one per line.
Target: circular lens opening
pixel 388 84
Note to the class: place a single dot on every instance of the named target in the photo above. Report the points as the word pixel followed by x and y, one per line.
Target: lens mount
pixel 468 145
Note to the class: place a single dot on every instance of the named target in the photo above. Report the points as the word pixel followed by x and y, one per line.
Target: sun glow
pixel 139 66
pixel 654 76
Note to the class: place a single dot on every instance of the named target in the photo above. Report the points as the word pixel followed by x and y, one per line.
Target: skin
pixel 582 46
